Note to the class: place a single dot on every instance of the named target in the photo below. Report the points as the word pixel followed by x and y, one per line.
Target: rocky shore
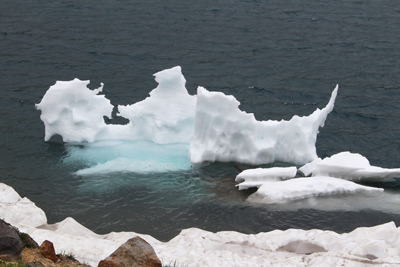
pixel 20 249
pixel 364 246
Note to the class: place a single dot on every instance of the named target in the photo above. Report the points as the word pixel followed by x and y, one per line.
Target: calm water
pixel 278 59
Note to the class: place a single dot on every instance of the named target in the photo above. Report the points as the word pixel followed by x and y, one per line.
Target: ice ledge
pixel 378 245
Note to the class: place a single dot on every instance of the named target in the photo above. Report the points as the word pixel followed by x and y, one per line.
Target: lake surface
pixel 277 58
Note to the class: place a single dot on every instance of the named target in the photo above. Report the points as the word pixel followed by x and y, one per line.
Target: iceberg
pixel 349 166
pixel 378 245
pixel 211 123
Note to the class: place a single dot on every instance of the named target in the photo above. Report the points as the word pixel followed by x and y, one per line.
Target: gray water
pixel 277 58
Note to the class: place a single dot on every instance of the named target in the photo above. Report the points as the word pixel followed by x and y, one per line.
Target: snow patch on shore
pixel 379 245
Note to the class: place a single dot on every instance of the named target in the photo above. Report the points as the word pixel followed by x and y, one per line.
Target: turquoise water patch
pixel 126 157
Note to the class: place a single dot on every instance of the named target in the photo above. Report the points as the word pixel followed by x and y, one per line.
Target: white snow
pixel 17 210
pixel 225 133
pixel 301 188
pixel 379 245
pixel 171 127
pixel 211 122
pixel 73 111
pixel 350 166
pixel 256 177
pixel 167 115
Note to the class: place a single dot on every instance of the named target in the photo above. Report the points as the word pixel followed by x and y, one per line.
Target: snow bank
pixel 350 166
pixel 211 122
pixel 379 245
pixel 17 210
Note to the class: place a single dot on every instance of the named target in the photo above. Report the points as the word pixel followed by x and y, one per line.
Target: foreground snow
pixel 379 245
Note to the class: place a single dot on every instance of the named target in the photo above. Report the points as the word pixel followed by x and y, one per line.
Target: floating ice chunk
pixel 222 132
pixel 211 122
pixel 167 116
pixel 73 111
pixel 349 166
pixel 301 188
pixel 256 177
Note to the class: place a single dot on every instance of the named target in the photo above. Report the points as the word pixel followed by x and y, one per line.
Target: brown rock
pixel 33 258
pixel 11 243
pixel 133 253
pixel 47 250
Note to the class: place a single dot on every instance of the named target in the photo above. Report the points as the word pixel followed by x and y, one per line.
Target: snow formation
pixel 379 245
pixel 256 177
pixel 75 112
pixel 335 175
pixel 349 166
pixel 301 188
pixel 224 133
pixel 211 122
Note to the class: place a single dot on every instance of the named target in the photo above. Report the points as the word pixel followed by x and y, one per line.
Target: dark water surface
pixel 277 58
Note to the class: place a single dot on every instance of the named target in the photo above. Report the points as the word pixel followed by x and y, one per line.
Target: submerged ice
pixel 210 123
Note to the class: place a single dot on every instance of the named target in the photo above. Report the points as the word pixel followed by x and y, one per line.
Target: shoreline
pixel 195 247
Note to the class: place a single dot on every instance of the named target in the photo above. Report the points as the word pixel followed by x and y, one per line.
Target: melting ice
pixel 186 129
pixel 171 130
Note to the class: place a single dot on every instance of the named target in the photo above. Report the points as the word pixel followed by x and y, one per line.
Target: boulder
pixel 135 252
pixel 47 250
pixel 11 243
